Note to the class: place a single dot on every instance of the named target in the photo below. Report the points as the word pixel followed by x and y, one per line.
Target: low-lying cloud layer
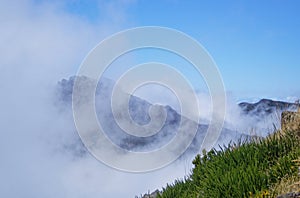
pixel 41 43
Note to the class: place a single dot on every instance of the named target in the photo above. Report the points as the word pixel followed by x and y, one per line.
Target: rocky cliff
pixel 290 121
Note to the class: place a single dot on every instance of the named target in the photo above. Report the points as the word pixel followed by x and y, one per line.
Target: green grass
pixel 246 169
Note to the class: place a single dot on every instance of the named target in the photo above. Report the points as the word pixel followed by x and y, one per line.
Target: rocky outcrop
pixel 290 121
pixel 290 195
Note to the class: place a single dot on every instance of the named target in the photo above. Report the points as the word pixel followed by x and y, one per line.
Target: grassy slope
pixel 251 169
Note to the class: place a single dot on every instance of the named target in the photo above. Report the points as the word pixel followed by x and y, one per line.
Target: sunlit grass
pixel 248 169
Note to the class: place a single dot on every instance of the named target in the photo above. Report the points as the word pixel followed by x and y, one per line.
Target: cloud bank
pixel 41 44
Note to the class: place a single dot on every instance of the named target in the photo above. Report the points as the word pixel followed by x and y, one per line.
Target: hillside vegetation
pixel 265 167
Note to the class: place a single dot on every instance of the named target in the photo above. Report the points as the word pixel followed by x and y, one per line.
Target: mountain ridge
pixel 139 108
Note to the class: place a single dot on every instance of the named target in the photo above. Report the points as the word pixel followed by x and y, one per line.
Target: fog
pixel 40 154
pixel 40 45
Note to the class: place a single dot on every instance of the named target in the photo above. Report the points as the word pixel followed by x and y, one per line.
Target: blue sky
pixel 255 44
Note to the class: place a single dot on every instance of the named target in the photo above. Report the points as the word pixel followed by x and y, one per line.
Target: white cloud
pixel 39 45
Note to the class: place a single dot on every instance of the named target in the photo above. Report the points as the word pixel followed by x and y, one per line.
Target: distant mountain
pixel 138 109
pixel 263 117
pixel 266 107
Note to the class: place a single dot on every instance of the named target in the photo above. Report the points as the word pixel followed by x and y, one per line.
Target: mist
pixel 40 45
pixel 41 154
